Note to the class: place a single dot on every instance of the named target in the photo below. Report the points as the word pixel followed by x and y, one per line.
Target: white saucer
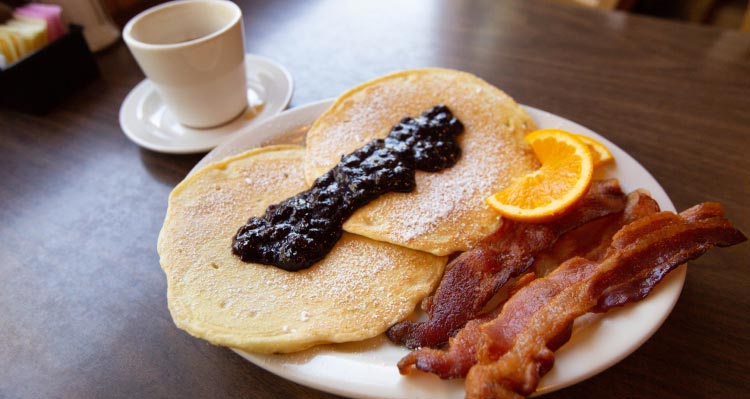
pixel 147 122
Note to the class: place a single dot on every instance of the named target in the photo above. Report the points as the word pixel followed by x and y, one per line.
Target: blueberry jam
pixel 301 230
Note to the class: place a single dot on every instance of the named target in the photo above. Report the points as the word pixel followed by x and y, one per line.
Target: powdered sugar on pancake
pixel 360 289
pixel 446 212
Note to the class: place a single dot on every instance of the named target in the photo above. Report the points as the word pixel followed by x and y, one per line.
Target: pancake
pixel 356 292
pixel 446 213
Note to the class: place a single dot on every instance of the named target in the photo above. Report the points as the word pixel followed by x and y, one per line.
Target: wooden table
pixel 83 309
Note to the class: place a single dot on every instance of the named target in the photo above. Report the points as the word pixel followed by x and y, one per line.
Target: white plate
pixel 146 120
pixel 368 369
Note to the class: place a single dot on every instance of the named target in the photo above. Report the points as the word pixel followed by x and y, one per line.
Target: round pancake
pixel 446 212
pixel 359 290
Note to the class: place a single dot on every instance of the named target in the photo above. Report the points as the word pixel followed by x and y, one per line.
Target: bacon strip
pixel 593 239
pixel 475 276
pixel 457 361
pixel 510 365
pixel 590 241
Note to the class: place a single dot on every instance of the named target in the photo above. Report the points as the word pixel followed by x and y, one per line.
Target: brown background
pixel 82 299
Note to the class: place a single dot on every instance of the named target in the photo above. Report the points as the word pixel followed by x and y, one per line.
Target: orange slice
pixel 599 151
pixel 543 195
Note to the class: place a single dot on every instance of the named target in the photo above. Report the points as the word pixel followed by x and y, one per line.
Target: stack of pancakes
pixel 393 251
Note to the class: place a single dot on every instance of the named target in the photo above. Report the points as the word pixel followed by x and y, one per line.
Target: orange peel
pixel 599 151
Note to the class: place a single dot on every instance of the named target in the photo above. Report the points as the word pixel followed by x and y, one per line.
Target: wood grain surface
pixel 83 309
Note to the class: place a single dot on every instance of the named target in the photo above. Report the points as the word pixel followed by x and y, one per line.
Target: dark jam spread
pixel 301 230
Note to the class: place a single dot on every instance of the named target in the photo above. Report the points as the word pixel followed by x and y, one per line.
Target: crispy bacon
pixel 590 241
pixel 457 361
pixel 509 365
pixel 593 239
pixel 475 276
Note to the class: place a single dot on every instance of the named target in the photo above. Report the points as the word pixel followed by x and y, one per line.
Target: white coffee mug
pixel 194 54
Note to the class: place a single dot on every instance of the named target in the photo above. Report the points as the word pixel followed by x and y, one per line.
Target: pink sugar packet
pixel 51 13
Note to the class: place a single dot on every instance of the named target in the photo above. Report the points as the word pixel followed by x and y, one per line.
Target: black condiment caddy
pixel 42 80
